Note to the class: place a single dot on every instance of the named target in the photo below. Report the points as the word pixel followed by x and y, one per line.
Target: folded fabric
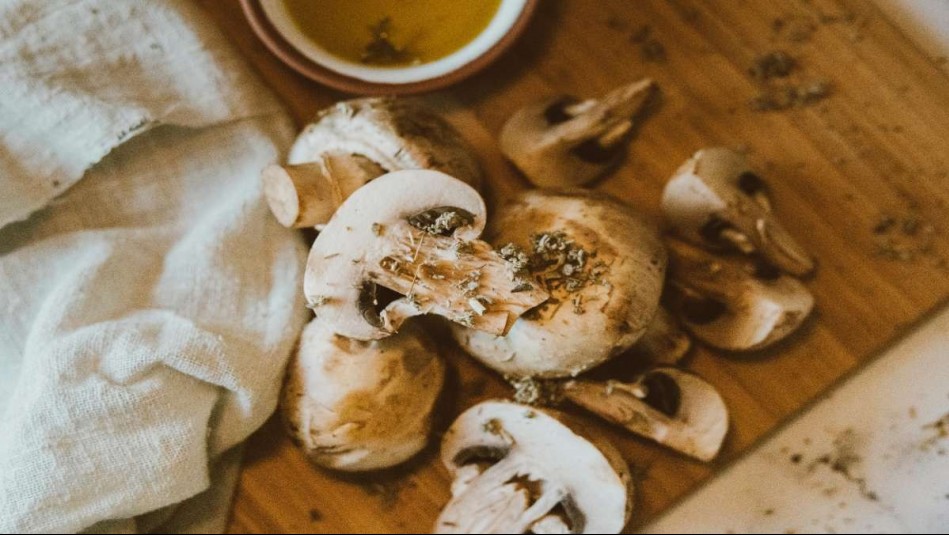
pixel 146 314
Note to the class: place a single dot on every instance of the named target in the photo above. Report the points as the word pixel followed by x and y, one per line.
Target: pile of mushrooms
pixel 560 281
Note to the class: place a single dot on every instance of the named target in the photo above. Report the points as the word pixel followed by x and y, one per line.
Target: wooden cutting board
pixel 860 177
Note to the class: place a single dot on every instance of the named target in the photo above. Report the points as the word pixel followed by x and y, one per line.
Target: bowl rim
pixel 280 47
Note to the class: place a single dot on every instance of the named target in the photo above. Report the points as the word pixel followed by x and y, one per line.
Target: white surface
pixel 147 312
pixel 879 424
pixel 504 19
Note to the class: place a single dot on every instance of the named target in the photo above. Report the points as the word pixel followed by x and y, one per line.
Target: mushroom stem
pixel 616 134
pixel 739 240
pixel 782 250
pixel 464 281
pixel 307 195
pixel 580 107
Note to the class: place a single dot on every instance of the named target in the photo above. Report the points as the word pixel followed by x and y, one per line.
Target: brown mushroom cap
pixel 358 406
pixel 733 303
pixel 716 200
pixel 393 133
pixel 415 233
pixel 356 141
pixel 597 309
pixel 672 407
pixel 562 142
pixel 518 469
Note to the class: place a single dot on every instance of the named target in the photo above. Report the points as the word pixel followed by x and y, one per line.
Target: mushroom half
pixel 733 303
pixel 404 245
pixel 674 408
pixel 357 406
pixel 564 142
pixel 664 342
pixel 717 201
pixel 517 469
pixel 603 267
pixel 355 141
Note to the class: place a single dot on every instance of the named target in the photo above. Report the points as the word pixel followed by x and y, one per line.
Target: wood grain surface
pixel 860 177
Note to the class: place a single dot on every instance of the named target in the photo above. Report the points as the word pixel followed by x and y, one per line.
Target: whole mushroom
pixel 356 406
pixel 355 141
pixel 405 245
pixel 717 201
pixel 734 303
pixel 518 469
pixel 563 142
pixel 603 267
pixel 672 407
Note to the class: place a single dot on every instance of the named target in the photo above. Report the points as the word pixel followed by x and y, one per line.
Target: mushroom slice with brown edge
pixel 603 266
pixel 664 342
pixel 733 303
pixel 716 200
pixel 357 406
pixel 674 408
pixel 517 469
pixel 563 142
pixel 404 245
pixel 355 141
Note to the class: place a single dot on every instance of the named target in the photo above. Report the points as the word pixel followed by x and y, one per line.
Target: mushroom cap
pixel 358 406
pixel 560 142
pixel 732 303
pixel 697 427
pixel 496 443
pixel 716 191
pixel 575 331
pixel 337 271
pixel 393 133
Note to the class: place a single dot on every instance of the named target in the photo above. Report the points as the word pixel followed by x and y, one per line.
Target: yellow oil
pixel 391 32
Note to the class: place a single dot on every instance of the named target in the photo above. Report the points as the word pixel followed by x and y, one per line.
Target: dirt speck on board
pixel 315 515
pixel 904 237
pixel 651 49
pixel 776 64
pixel 781 86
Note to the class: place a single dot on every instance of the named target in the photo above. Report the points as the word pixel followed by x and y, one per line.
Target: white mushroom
pixel 355 141
pixel 733 303
pixel 674 408
pixel 604 268
pixel 357 406
pixel 517 469
pixel 664 342
pixel 414 233
pixel 717 201
pixel 562 142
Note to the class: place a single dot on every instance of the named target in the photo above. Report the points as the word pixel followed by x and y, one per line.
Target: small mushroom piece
pixel 717 201
pixel 672 407
pixel 358 406
pixel 733 303
pixel 355 141
pixel 664 342
pixel 404 245
pixel 517 469
pixel 563 142
pixel 604 268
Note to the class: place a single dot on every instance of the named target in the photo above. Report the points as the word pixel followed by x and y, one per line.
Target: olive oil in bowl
pixel 391 33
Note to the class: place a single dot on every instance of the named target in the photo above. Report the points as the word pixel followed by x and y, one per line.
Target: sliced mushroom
pixel 563 142
pixel 517 469
pixel 405 245
pixel 733 303
pixel 353 142
pixel 603 267
pixel 674 408
pixel 358 406
pixel 716 200
pixel 664 342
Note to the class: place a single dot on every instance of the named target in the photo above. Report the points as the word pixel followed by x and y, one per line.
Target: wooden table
pixel 841 169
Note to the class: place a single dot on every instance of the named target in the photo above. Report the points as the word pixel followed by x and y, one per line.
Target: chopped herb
pixel 317 301
pixel 470 284
pixel 381 50
pixel 443 221
pixel 494 427
pixel 378 229
pixel 531 391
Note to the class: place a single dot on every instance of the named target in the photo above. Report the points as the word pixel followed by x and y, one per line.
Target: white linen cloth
pixel 148 300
